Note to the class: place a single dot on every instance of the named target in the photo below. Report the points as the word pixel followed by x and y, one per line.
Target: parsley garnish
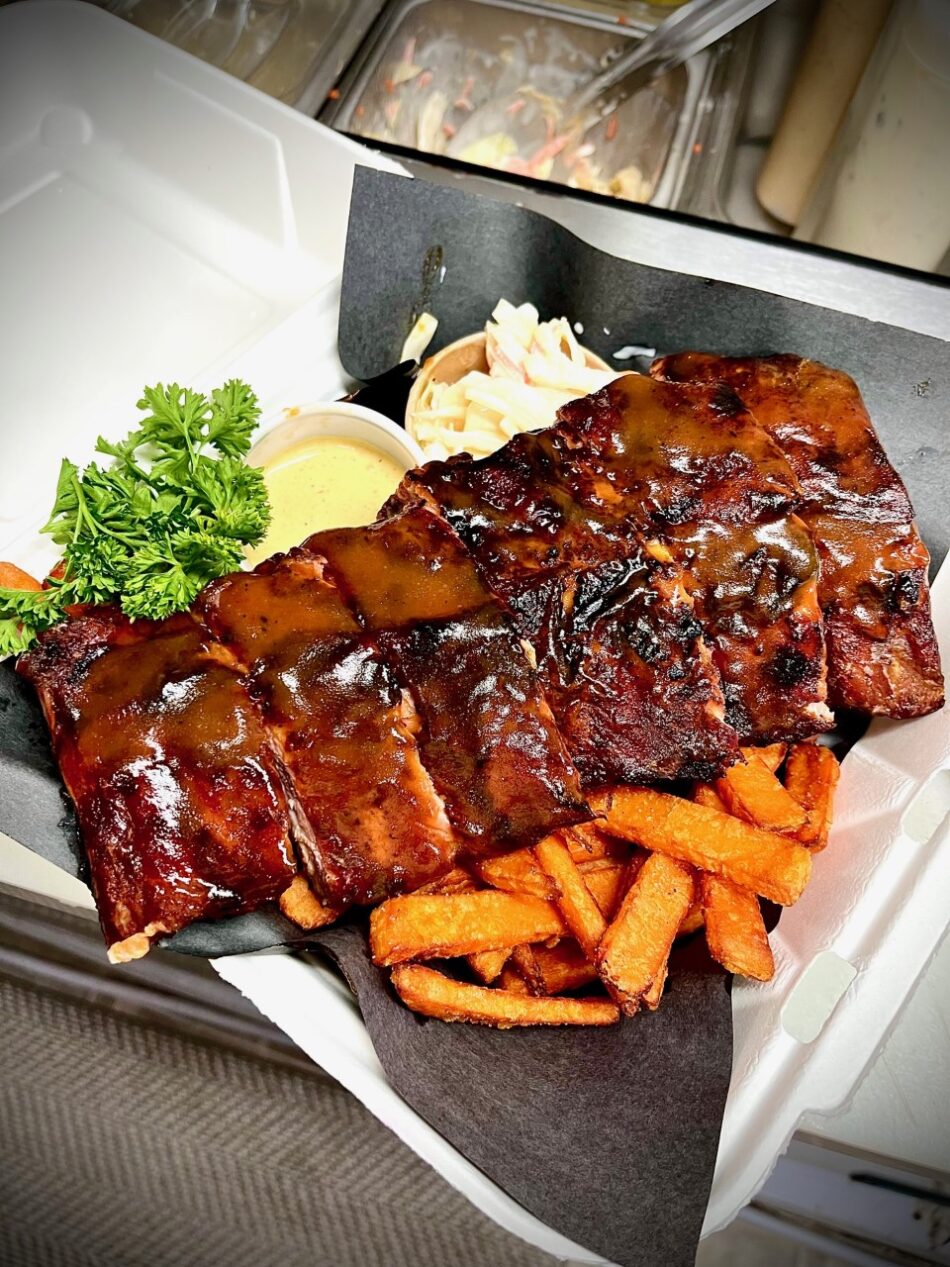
pixel 176 507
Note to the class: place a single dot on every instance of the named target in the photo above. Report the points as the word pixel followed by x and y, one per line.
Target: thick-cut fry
pixel 636 946
pixel 770 865
pixel 487 964
pixel 14 578
pixel 516 872
pixel 811 776
pixel 706 794
pixel 301 905
pixel 751 791
pixel 581 913
pixel 607 881
pixel 441 927
pixel 587 841
pixel 693 919
pixel 511 980
pixel 735 931
pixel 458 880
pixel 563 967
pixel 771 756
pixel 433 994
pixel 651 998
pixel 524 962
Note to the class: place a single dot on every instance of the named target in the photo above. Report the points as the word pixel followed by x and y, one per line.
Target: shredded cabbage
pixel 534 367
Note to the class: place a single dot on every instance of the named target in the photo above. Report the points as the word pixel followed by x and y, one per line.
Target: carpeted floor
pixel 125 1146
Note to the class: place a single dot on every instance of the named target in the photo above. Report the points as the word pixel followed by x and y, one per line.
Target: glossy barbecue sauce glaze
pixel 617 647
pixel 369 821
pixel 487 738
pixel 174 778
pixel 684 474
pixel 873 584
pixel 692 465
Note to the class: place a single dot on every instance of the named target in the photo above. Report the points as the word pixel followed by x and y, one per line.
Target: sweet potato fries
pixel 598 908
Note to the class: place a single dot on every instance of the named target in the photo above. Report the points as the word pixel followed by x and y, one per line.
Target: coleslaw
pixel 534 367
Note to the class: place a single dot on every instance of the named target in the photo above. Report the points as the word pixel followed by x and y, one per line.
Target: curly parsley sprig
pixel 176 507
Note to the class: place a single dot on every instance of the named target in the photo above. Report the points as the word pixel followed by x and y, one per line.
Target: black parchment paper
pixel 610 1136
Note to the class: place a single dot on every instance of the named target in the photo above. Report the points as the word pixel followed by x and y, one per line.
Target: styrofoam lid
pixel 157 217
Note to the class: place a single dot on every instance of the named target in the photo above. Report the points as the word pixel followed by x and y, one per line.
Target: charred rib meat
pixel 683 481
pixel 488 738
pixel 882 652
pixel 371 822
pixel 176 783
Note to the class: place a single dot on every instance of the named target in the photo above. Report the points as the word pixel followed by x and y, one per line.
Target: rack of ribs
pixel 487 737
pixel 679 492
pixel 177 785
pixel 882 652
pixel 369 821
pixel 362 708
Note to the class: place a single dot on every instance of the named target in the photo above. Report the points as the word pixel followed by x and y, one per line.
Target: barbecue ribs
pixel 674 489
pixel 176 783
pixel 488 738
pixel 882 652
pixel 688 465
pixel 371 823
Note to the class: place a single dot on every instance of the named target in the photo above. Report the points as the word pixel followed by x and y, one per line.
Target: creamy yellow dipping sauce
pixel 326 482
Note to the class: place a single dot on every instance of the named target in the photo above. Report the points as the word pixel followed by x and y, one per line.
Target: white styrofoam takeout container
pixel 160 220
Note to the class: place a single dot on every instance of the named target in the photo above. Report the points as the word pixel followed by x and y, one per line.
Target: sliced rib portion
pixel 678 487
pixel 619 651
pixel 882 652
pixel 488 738
pixel 176 783
pixel 621 657
pixel 371 822
pixel 689 466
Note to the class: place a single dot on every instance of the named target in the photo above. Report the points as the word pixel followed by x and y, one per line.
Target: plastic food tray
pixel 161 219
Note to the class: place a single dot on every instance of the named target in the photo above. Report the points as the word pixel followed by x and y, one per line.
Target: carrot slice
pixel 434 994
pixel 14 578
